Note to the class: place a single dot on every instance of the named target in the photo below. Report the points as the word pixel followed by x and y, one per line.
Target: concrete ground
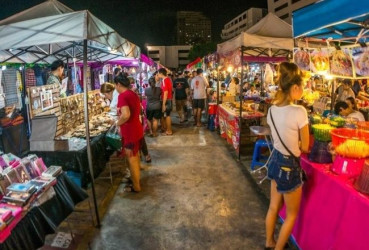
pixel 195 196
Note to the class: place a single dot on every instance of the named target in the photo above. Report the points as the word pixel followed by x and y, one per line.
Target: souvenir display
pixel 52 171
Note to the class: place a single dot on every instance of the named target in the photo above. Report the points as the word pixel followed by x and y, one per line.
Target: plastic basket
pixel 114 141
pixel 322 132
pixel 351 142
pixel 363 125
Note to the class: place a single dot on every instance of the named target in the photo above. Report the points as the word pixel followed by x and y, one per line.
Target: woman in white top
pixel 291 122
pixel 109 91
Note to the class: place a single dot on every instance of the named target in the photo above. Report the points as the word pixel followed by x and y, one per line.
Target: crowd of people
pixel 188 90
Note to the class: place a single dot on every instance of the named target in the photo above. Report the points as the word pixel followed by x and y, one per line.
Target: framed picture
pixel 46 100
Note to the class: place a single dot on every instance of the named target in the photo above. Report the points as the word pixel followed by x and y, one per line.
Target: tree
pixel 201 50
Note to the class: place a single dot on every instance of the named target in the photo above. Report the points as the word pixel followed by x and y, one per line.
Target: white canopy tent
pixel 271 36
pixel 51 31
pixel 269 39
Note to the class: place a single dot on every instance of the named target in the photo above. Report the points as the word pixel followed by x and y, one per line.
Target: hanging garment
pixel 19 89
pixel 9 80
pixel 38 74
pixel 30 78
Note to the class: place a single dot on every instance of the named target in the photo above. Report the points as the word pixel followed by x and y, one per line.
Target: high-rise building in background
pixel 242 22
pixel 173 57
pixel 284 8
pixel 192 28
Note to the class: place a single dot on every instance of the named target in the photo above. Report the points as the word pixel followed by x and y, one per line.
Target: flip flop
pixel 166 134
pixel 129 189
pixel 148 159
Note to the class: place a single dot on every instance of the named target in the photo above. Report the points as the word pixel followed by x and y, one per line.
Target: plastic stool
pixel 257 157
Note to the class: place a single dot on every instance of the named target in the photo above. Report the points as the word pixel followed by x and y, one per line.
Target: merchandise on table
pixel 362 183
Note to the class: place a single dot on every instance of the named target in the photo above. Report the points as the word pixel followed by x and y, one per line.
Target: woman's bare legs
pixel 292 201
pixel 276 201
pixel 134 167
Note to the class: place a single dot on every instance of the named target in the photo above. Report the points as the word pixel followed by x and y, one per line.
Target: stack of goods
pixel 19 194
pixel 97 125
pixel 352 147
pixel 320 151
pixel 23 183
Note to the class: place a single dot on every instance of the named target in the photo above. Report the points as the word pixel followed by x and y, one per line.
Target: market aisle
pixel 195 196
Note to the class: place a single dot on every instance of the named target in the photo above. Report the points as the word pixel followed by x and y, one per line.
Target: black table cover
pixel 39 221
pixel 77 160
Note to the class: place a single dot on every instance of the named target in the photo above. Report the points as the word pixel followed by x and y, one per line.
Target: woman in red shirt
pixel 129 108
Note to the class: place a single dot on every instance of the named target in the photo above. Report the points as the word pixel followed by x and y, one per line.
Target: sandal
pixel 148 159
pixel 129 189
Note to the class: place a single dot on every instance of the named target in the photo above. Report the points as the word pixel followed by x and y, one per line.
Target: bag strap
pixel 284 145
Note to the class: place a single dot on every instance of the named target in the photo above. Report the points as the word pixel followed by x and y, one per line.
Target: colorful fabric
pixel 30 78
pixel 9 80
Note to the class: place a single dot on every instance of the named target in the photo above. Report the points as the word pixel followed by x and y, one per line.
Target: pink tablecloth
pixel 333 214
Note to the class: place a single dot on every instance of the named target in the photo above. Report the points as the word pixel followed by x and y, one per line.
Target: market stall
pixel 71 35
pixel 335 196
pixel 34 200
pixel 270 40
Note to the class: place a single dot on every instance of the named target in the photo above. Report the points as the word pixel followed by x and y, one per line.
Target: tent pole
pixel 241 97
pixel 26 100
pixel 218 86
pixel 89 156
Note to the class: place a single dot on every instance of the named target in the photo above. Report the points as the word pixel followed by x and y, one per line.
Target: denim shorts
pixel 286 172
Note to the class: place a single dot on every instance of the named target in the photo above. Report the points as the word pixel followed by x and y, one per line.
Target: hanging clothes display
pixel 38 74
pixel 9 80
pixel 2 96
pixel 30 78
pixel 19 85
pixel 75 80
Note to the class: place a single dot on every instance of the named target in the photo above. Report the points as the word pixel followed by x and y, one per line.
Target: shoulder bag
pixel 304 177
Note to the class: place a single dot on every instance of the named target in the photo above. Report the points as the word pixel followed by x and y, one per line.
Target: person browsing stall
pixel 344 91
pixel 129 109
pixel 234 87
pixel 110 93
pixel 252 92
pixel 290 131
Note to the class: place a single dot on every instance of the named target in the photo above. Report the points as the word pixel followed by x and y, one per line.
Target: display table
pixel 333 215
pixel 77 160
pixel 229 124
pixel 31 230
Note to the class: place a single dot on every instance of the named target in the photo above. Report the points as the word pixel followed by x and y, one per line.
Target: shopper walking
pixel 129 109
pixel 182 90
pixel 198 88
pixel 288 123
pixel 153 108
pixel 166 97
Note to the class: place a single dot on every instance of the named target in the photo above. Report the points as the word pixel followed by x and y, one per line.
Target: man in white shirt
pixel 343 109
pixel 198 90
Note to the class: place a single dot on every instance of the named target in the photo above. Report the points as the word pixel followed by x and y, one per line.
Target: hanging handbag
pixel 297 159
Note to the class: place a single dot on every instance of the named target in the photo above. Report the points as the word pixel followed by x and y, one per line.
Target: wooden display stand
pixel 41 103
pixel 45 100
pixel 72 109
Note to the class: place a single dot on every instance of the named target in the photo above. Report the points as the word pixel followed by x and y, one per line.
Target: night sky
pixel 146 22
